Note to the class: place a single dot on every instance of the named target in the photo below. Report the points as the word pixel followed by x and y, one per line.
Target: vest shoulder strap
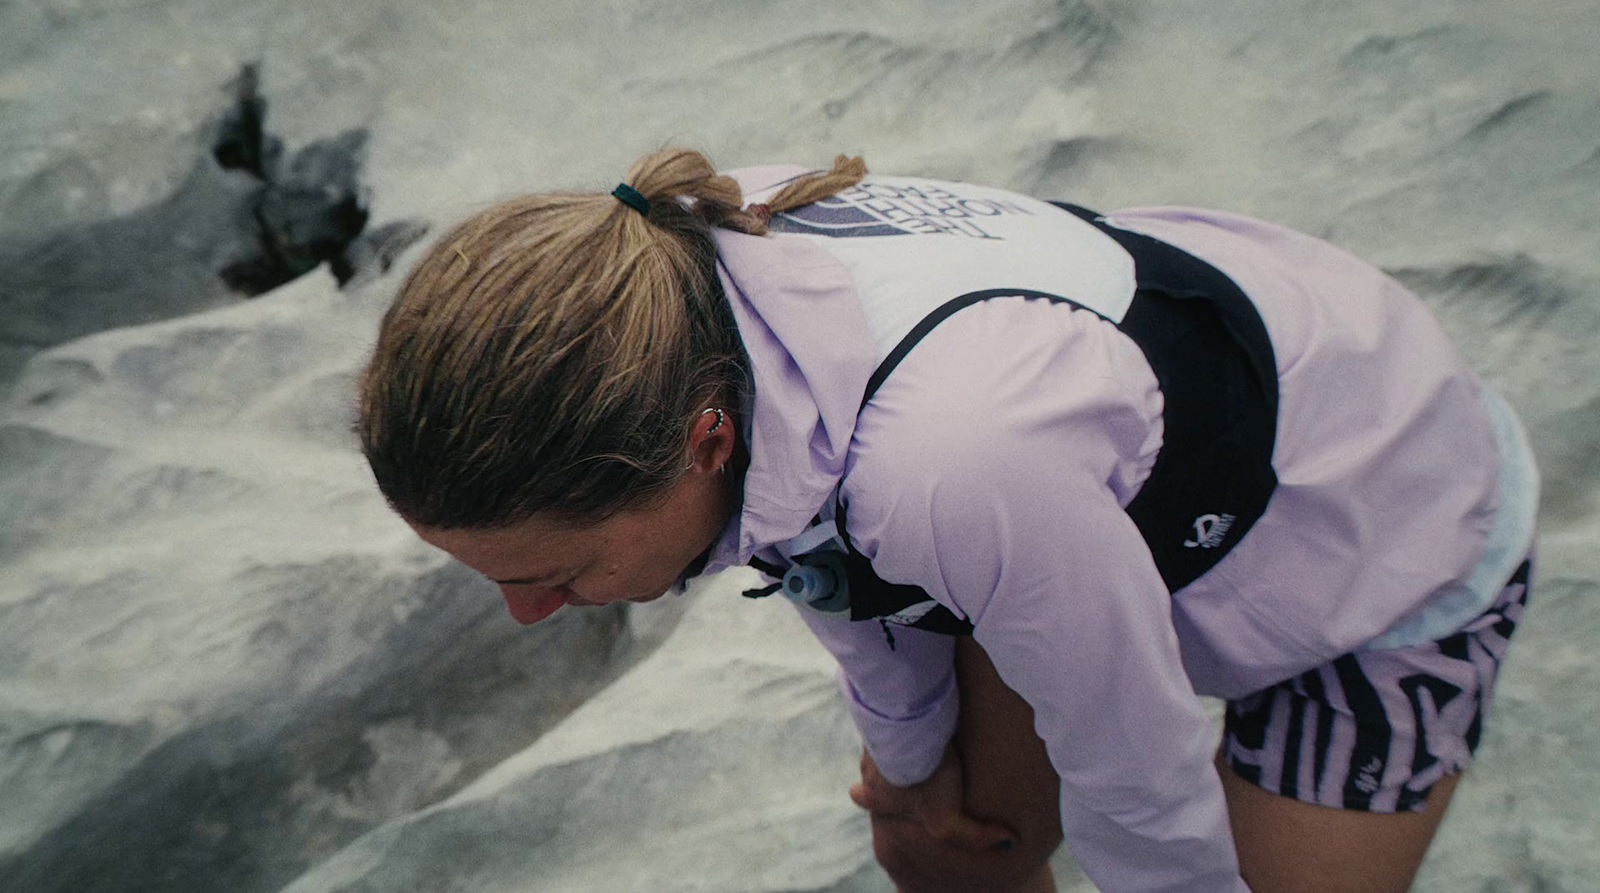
pixel 1212 479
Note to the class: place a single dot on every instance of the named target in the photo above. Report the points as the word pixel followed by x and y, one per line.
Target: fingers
pixel 968 832
pixel 945 823
pixel 876 795
pixel 883 801
pixel 935 804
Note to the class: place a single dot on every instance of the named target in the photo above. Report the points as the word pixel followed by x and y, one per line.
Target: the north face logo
pixel 835 217
pixel 1209 531
pixel 887 209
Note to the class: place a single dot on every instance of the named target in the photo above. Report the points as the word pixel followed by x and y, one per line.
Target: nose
pixel 531 604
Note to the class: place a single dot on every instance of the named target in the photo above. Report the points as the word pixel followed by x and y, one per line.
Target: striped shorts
pixel 1373 730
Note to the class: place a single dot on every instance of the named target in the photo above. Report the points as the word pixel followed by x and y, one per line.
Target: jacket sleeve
pixel 1084 635
pixel 903 700
pixel 993 490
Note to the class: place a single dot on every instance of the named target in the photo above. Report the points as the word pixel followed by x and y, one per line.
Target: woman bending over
pixel 1037 477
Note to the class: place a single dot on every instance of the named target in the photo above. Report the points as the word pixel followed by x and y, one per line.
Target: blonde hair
pixel 549 354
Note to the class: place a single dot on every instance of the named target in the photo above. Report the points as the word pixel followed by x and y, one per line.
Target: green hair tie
pixel 632 198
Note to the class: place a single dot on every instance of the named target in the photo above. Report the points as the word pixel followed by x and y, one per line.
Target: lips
pixel 528 609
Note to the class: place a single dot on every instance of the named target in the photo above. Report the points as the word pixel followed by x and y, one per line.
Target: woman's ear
pixel 711 441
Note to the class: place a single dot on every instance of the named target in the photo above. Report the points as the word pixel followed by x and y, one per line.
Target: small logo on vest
pixel 910 615
pixel 1209 531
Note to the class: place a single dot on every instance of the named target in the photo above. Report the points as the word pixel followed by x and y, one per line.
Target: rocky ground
pixel 224 666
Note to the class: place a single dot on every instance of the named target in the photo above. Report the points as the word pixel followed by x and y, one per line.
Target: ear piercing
pixel 715 424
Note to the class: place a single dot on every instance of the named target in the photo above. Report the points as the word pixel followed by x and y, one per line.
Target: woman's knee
pixel 1007 778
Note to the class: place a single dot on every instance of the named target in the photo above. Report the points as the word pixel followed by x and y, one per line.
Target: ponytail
pixel 665 177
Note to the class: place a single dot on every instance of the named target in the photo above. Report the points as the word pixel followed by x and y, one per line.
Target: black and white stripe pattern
pixel 1374 730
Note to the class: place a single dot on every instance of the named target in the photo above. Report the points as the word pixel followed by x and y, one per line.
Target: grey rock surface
pixel 248 217
pixel 225 666
pixel 222 656
pixel 646 786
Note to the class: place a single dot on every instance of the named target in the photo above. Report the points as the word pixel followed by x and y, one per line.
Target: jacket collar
pixel 810 357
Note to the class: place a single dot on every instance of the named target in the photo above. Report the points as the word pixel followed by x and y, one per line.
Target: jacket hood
pixel 811 354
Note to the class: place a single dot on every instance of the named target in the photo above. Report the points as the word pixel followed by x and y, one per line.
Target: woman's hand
pixel 935 805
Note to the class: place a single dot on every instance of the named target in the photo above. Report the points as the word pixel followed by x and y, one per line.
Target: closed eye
pixel 546 582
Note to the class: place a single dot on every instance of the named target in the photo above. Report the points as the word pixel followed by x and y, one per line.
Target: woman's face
pixel 636 556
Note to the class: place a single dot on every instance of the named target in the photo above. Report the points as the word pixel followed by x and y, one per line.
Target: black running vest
pixel 1213 475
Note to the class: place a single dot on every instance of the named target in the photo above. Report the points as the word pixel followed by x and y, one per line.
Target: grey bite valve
pixel 818 581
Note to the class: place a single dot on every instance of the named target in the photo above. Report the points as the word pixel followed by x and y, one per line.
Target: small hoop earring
pixel 714 426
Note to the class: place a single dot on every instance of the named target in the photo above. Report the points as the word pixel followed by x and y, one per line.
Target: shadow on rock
pixel 245 800
pixel 246 219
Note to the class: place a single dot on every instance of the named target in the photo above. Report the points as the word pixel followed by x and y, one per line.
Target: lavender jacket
pixel 992 470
